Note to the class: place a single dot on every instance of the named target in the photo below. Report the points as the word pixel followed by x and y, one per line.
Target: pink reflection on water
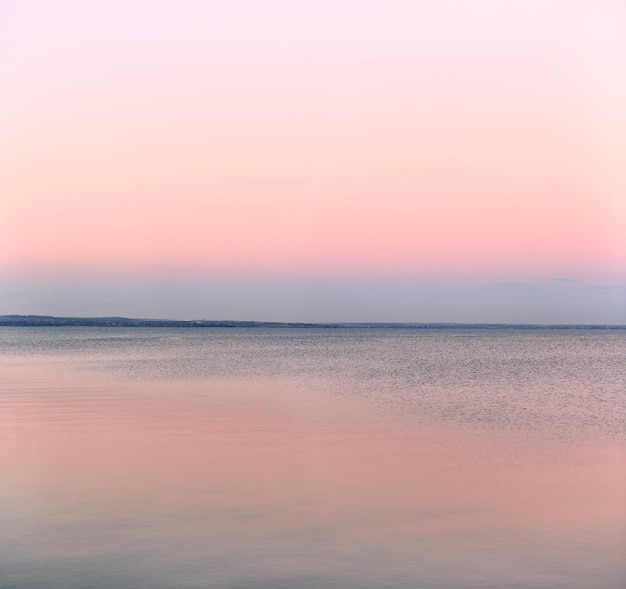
pixel 291 480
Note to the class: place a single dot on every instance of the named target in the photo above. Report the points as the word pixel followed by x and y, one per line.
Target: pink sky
pixel 375 139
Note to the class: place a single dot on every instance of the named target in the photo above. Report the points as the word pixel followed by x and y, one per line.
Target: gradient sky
pixel 328 160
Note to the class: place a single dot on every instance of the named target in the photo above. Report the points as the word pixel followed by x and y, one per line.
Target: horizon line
pixel 18 320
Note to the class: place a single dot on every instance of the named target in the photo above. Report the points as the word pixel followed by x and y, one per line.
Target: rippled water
pixel 269 458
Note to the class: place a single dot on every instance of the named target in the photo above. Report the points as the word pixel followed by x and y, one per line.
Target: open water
pixel 303 458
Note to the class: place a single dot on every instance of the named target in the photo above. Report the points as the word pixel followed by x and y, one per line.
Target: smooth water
pixel 280 458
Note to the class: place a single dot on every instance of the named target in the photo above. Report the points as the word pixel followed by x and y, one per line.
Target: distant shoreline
pixel 50 321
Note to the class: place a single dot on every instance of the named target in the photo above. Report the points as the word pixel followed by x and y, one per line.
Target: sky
pixel 327 160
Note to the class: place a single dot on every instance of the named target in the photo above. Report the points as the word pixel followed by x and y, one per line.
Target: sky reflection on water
pixel 262 484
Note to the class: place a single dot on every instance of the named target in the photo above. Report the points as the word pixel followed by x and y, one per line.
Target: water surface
pixel 269 458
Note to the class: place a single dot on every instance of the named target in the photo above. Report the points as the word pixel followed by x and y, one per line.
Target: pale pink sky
pixel 379 140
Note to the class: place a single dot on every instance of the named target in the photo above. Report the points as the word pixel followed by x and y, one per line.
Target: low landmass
pixel 50 321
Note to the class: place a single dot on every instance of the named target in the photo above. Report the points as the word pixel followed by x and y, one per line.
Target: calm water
pixel 234 458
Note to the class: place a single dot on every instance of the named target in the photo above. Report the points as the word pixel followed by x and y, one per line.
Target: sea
pixel 279 458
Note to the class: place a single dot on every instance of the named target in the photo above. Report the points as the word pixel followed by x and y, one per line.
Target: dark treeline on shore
pixel 50 321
